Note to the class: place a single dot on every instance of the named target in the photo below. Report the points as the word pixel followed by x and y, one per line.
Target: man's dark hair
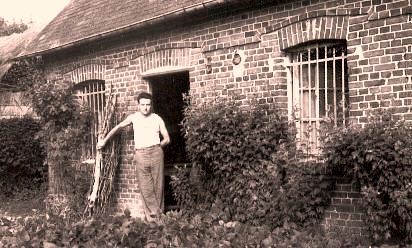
pixel 144 95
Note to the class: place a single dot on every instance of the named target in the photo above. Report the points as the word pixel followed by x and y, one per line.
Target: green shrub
pixel 379 157
pixel 245 161
pixel 21 156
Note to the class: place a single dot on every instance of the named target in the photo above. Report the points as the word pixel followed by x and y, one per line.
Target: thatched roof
pixel 14 45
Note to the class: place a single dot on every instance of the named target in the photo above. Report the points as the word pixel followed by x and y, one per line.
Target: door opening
pixel 168 103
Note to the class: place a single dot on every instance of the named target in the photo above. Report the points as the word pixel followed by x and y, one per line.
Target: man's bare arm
pixel 123 124
pixel 165 135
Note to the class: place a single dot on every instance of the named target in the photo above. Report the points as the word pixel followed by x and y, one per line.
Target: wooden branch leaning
pixel 106 163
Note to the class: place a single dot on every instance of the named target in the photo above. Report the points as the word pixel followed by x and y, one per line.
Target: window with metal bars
pixel 92 95
pixel 319 89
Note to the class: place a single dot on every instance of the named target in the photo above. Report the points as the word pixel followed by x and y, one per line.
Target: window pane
pixel 313 77
pixel 304 56
pixel 338 73
pixel 306 104
pixel 321 52
pixel 304 76
pixel 330 76
pixel 331 101
pixel 308 73
pixel 91 94
pixel 321 77
pixel 322 103
pixel 330 52
pixel 313 54
pixel 339 106
pixel 319 83
pixel 340 51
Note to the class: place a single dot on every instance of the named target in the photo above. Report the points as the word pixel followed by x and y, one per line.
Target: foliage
pixel 54 103
pixel 245 160
pixel 22 75
pixel 70 207
pixel 8 29
pixel 379 157
pixel 65 128
pixel 172 230
pixel 21 156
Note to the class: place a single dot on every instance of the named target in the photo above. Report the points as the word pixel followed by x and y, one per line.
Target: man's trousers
pixel 150 173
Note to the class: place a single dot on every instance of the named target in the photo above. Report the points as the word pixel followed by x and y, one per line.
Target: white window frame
pixel 91 94
pixel 324 65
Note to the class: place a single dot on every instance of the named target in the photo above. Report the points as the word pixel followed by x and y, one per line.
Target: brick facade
pixel 377 34
pixel 345 214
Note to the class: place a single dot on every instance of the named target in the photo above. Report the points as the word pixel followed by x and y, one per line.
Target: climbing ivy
pixel 65 128
pixel 22 75
pixel 65 124
pixel 379 157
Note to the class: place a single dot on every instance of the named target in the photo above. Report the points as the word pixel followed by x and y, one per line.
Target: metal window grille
pixel 319 90
pixel 92 95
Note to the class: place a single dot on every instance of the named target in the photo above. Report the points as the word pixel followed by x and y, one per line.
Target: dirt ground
pixel 12 210
pixel 21 207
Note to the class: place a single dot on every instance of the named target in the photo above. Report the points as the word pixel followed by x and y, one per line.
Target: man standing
pixel 148 127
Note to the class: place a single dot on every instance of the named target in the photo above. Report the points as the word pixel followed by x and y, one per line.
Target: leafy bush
pixel 65 129
pixel 22 158
pixel 54 103
pixel 173 230
pixel 245 161
pixel 21 76
pixel 379 157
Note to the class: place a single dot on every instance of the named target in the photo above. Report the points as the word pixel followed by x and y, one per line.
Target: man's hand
pixel 100 144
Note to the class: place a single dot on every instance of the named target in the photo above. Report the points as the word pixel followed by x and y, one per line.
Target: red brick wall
pixel 345 214
pixel 378 35
pixel 380 59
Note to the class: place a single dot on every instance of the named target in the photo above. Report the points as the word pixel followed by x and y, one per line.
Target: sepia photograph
pixel 206 123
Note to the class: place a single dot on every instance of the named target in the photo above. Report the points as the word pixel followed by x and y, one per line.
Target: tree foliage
pixel 379 157
pixel 65 127
pixel 8 29
pixel 21 156
pixel 22 75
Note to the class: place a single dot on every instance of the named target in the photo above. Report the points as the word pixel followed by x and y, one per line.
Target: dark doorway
pixel 168 103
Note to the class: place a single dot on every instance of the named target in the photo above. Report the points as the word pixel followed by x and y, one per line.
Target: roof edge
pixel 136 25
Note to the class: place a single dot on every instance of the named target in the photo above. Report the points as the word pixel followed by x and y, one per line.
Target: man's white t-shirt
pixel 146 129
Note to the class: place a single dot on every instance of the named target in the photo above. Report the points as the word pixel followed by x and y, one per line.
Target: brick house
pixel 307 58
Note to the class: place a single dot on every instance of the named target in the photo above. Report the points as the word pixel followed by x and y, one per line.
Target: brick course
pixel 379 64
pixel 345 214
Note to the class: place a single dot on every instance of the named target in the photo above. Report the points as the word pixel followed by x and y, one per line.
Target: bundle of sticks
pixel 106 162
